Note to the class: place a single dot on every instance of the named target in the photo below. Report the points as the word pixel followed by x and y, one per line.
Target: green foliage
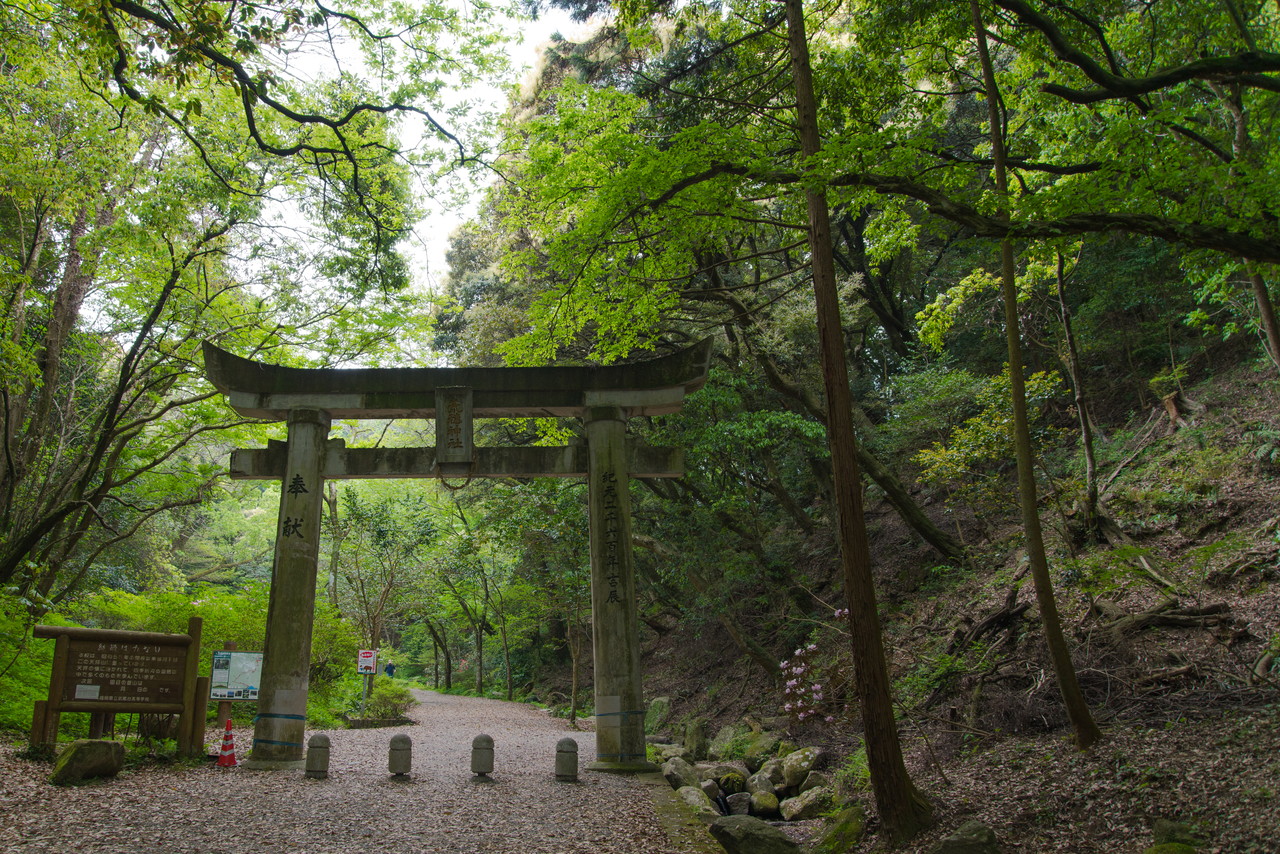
pixel 937 318
pixel 975 459
pixel 1168 381
pixel 1185 483
pixel 1201 561
pixel 934 672
pixel 25 664
pixel 229 615
pixel 925 406
pixel 1264 442
pixel 853 777
pixel 390 698
pixel 1104 571
pixel 736 747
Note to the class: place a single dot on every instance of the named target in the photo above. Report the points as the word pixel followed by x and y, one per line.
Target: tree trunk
pixel 72 289
pixel 575 649
pixel 15 406
pixel 1086 730
pixel 480 657
pixel 1266 313
pixel 1082 406
pixel 439 637
pixel 335 533
pixel 506 657
pixel 904 812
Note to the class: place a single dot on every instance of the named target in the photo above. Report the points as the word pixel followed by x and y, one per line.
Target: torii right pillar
pixel 619 692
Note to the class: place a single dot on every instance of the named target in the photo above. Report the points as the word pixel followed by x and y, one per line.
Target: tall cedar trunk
pixel 1086 730
pixel 435 664
pixel 904 812
pixel 1082 406
pixel 1266 313
pixel 72 289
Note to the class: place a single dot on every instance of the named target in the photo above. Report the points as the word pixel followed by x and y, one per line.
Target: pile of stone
pixel 771 780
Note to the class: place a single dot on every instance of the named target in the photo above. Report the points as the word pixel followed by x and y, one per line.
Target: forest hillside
pixel 978 492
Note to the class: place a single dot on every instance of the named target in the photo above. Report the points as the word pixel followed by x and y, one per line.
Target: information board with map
pixel 236 675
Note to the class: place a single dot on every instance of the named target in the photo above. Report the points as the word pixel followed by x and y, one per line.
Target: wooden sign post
pixel 101 670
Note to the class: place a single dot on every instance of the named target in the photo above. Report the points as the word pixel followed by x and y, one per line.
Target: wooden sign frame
pixel 108 671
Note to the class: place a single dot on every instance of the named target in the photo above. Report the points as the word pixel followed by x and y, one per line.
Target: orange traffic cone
pixel 227 759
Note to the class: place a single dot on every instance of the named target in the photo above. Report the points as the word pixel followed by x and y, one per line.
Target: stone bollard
pixel 400 758
pixel 567 760
pixel 318 757
pixel 482 755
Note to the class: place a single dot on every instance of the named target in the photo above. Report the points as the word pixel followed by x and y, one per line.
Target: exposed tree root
pixel 1167 614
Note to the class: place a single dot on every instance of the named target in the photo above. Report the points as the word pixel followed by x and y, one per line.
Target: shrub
pixel 25 665
pixel 854 776
pixel 389 699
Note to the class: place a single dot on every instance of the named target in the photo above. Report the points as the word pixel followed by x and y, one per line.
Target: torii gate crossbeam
pixel 308 399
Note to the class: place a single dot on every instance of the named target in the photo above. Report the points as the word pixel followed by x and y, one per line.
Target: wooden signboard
pixel 101 670
pixel 114 672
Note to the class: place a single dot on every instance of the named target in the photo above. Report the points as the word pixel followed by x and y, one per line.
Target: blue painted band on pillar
pixel 261 715
pixel 282 743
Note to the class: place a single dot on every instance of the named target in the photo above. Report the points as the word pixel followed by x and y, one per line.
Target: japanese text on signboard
pixel 124 672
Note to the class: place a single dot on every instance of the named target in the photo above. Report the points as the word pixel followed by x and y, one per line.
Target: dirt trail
pixel 360 809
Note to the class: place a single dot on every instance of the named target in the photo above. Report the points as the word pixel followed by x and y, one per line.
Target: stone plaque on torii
pixel 309 398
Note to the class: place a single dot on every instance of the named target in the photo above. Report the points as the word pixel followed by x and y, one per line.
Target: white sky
pixel 426 249
pixel 321 56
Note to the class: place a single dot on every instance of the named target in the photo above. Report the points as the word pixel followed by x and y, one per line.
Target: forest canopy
pixel 1047 235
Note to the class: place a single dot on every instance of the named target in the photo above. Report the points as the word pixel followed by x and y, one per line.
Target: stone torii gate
pixel 308 399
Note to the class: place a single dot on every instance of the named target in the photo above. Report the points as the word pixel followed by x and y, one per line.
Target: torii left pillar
pixel 282 698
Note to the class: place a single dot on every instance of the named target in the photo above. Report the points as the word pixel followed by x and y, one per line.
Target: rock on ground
pixel 87 758
pixel 973 837
pixel 740 834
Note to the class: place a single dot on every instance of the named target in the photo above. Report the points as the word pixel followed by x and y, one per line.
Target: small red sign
pixel 367 661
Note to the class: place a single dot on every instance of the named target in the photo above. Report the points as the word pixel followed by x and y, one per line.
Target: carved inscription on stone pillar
pixel 611 528
pixel 453 429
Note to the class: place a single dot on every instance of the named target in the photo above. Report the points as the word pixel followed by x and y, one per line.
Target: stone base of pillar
pixel 274 764
pixel 640 766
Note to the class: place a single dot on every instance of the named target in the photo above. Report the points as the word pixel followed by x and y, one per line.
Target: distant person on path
pixel 390 669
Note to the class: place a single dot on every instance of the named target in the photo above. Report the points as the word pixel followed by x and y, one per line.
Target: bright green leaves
pixel 937 318
pixel 975 457
pixel 615 231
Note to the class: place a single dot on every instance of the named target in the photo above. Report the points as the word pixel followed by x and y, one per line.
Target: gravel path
pixel 360 809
